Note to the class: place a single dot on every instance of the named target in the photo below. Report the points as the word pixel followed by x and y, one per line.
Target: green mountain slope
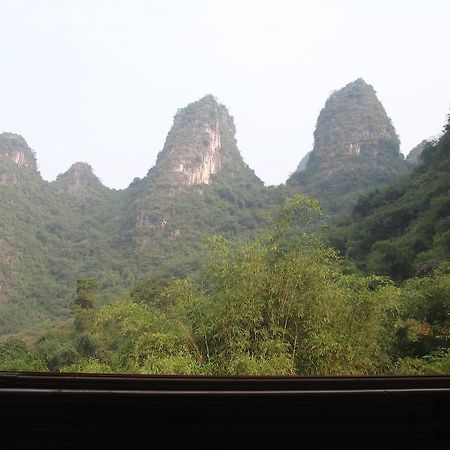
pixel 199 186
pixel 52 234
pixel 403 229
pixel 25 242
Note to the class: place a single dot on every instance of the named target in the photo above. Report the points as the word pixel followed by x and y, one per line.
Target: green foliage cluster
pixel 279 303
pixel 402 230
pixel 49 238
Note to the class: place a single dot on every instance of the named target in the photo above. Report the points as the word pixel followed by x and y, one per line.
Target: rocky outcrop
pixel 200 145
pixel 353 127
pixel 14 147
pixel 8 178
pixel 198 178
pixel 355 147
pixel 207 161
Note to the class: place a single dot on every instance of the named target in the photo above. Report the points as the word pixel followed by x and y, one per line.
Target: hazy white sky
pixel 100 80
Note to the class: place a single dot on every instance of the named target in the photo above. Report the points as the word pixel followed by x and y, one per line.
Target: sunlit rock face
pixel 199 145
pixel 355 147
pixel 16 160
pixel 207 162
pixel 198 178
pixel 14 147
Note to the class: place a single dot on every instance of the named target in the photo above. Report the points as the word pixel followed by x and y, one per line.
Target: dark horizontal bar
pixel 180 383
pixel 75 411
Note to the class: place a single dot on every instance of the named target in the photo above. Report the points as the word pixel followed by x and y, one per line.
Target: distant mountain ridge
pixel 53 233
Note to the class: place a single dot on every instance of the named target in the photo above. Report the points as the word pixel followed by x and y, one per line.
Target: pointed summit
pixel 199 146
pixel 198 178
pixel 14 147
pixel 355 147
pixel 354 123
pixel 79 179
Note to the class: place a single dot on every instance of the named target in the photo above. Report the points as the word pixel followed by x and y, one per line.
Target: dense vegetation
pixel 98 280
pixel 276 304
pixel 51 234
pixel 404 229
pixel 49 238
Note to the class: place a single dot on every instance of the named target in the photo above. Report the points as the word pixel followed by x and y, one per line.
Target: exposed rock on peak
pixel 355 146
pixel 200 144
pixel 199 176
pixel 17 150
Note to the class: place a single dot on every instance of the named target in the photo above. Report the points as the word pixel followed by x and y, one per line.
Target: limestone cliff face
pixel 207 162
pixel 8 178
pixel 14 147
pixel 199 145
pixel 355 146
pixel 15 155
pixel 198 177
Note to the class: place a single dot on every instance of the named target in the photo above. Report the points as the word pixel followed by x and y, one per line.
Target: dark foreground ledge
pixel 90 411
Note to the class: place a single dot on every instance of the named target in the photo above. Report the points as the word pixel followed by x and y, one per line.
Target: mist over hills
pixel 53 233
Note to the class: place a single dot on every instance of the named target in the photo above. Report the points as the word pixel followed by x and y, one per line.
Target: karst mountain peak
pixel 200 145
pixel 199 175
pixel 54 233
pixel 353 122
pixel 79 178
pixel 14 147
pixel 355 146
pixel 79 169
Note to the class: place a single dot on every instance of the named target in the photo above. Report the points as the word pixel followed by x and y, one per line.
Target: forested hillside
pixel 199 268
pixel 276 304
pixel 74 227
pixel 403 230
